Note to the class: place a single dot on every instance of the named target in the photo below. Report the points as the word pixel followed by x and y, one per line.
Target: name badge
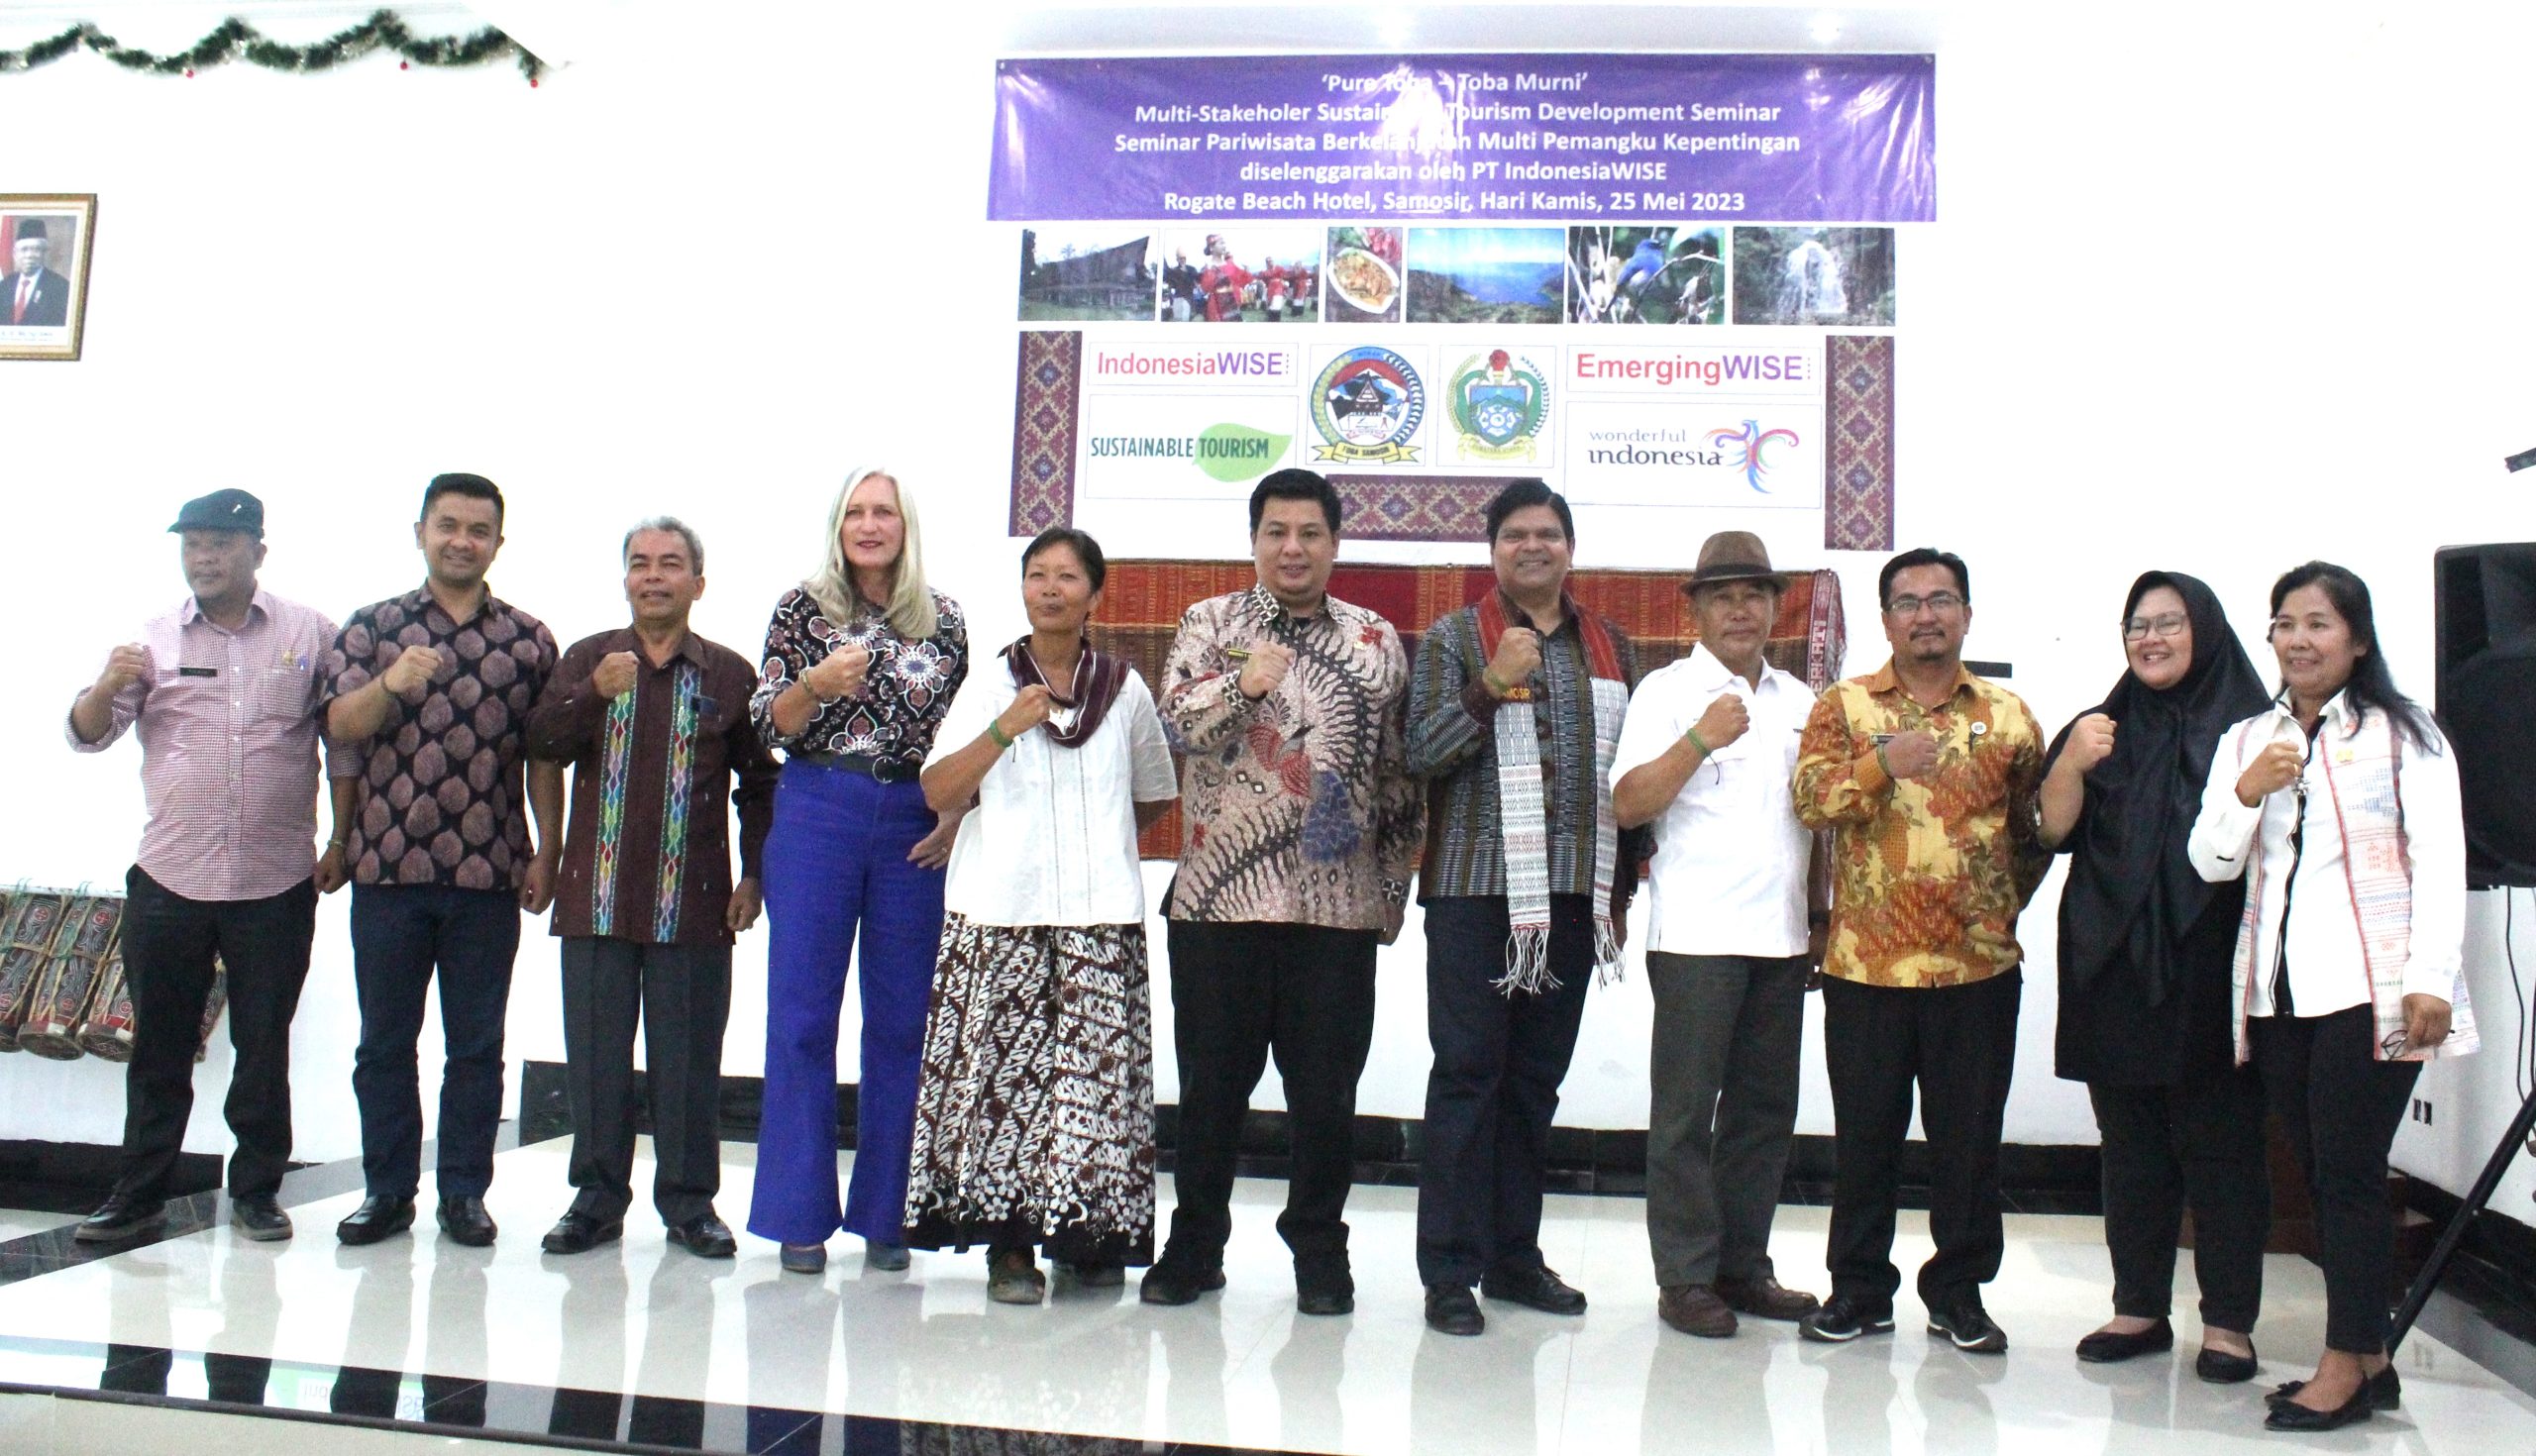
pixel 706 707
pixel 197 671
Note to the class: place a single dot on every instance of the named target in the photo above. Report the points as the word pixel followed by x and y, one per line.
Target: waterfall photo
pixel 1814 276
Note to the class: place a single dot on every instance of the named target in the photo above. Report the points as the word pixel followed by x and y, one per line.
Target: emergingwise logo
pixel 1754 443
pixel 1499 404
pixel 1367 405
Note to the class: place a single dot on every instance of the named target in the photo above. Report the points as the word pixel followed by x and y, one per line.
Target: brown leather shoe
pixel 1766 1299
pixel 1695 1310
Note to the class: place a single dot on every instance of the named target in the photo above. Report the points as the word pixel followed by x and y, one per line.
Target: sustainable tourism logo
pixel 1752 445
pixel 1229 452
pixel 1498 404
pixel 1367 405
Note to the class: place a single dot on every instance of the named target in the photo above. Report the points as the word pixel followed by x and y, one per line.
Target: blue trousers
pixel 401 934
pixel 839 888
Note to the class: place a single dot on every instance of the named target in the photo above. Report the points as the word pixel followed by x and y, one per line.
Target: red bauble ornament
pixel 404 66
pixel 189 72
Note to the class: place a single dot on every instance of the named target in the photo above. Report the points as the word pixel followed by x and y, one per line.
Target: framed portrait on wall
pixel 43 240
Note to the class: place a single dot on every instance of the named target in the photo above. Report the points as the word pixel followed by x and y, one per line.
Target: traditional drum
pixel 61 995
pixel 24 959
pixel 106 1031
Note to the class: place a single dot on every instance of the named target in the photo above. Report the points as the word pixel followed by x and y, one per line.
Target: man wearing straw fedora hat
pixel 1705 756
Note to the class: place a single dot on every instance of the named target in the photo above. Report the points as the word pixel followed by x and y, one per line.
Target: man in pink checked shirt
pixel 224 692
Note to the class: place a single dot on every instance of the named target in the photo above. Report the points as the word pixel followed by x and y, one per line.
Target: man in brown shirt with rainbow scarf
pixel 1927 775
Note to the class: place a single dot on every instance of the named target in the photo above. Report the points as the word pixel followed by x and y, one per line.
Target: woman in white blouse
pixel 1034 1109
pixel 2341 802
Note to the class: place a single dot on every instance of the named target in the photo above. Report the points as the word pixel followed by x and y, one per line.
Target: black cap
pixel 222 510
pixel 33 227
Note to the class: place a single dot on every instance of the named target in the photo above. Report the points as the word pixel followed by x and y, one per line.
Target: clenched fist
pixel 124 665
pixel 838 674
pixel 2090 742
pixel 1267 667
pixel 413 668
pixel 2273 770
pixel 1726 720
pixel 1519 656
pixel 1030 709
pixel 1910 754
pixel 616 675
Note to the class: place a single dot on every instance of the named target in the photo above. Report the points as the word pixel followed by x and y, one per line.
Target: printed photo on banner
pixel 1086 273
pixel 1485 276
pixel 1241 275
pixel 1814 276
pixel 1663 275
pixel 1364 275
pixel 45 241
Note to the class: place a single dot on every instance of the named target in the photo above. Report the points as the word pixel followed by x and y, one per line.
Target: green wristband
pixel 1697 742
pixel 994 730
pixel 1489 677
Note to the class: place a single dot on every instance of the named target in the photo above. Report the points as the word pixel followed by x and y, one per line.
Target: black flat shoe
pixel 1537 1288
pixel 2111 1347
pixel 2385 1391
pixel 704 1236
pixel 377 1218
pixel 1326 1300
pixel 2219 1368
pixel 465 1220
pixel 260 1219
pixel 1167 1282
pixel 120 1218
pixel 579 1233
pixel 1451 1310
pixel 2291 1415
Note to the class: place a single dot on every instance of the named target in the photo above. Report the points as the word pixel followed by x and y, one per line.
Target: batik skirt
pixel 1034 1109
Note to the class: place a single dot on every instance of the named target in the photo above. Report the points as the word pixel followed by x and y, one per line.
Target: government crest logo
pixel 1498 404
pixel 1367 405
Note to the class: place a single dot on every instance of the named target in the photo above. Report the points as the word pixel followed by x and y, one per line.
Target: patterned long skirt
pixel 1035 1109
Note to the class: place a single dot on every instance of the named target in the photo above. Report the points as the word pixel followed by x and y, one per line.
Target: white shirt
pixel 1053 838
pixel 2327 971
pixel 1730 853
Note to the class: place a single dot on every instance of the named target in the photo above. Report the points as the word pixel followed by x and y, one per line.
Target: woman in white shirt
pixel 2341 801
pixel 1034 1108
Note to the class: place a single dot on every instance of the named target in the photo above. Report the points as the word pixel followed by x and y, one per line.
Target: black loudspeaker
pixel 2487 624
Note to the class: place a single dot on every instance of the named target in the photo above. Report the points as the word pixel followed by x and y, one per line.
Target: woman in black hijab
pixel 2145 950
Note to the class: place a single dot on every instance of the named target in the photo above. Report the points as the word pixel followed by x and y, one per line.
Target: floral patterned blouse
pixel 903 696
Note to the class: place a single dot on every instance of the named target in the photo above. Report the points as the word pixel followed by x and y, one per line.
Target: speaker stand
pixel 2455 1234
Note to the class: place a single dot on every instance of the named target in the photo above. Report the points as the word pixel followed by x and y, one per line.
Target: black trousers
pixel 2201 1143
pixel 1494 1085
pixel 1729 1032
pixel 1239 991
pixel 401 934
pixel 1958 1043
pixel 2340 1107
pixel 168 942
pixel 683 996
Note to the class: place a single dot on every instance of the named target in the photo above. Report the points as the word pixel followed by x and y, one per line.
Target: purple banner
pixel 1762 139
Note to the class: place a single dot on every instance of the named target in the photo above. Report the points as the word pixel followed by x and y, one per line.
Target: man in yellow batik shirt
pixel 1927 776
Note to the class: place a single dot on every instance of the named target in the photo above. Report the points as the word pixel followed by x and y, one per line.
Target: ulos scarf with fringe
pixel 1524 815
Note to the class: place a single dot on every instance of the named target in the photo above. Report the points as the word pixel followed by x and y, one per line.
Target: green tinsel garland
pixel 236 40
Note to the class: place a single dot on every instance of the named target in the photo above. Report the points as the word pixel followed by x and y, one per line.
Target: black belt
pixel 885 771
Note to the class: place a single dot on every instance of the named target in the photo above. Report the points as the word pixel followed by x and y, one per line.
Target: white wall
pixel 2211 292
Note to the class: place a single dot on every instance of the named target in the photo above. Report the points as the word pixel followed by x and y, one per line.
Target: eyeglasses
pixel 1940 602
pixel 2170 624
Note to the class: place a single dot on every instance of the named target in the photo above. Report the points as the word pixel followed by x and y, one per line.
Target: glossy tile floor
pixel 739 1356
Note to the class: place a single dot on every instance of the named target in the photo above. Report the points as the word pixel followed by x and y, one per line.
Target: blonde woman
pixel 861 664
